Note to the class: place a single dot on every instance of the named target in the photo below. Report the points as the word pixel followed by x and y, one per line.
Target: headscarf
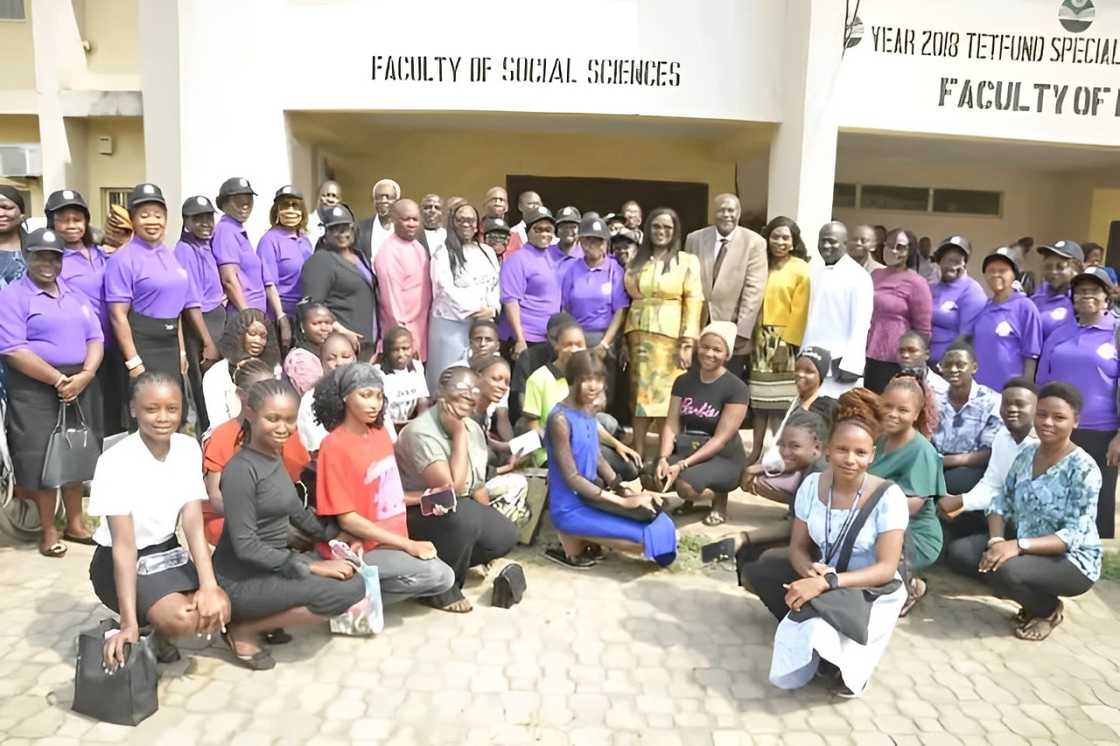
pixel 13 194
pixel 819 357
pixel 358 376
pixel 725 330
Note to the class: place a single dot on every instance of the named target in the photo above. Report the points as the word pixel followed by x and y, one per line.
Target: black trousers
pixel 766 576
pixel 1033 581
pixel 215 320
pixel 472 535
pixel 878 373
pixel 960 479
pixel 1095 443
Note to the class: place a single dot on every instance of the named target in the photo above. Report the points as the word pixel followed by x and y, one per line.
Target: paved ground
pixel 621 654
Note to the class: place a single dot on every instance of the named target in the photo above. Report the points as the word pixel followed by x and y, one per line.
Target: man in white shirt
pixel 841 297
pixel 526 201
pixel 965 515
pixel 330 194
pixel 373 232
pixel 913 354
pixel 431 215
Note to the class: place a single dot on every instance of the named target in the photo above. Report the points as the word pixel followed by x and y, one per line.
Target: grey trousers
pixel 404 576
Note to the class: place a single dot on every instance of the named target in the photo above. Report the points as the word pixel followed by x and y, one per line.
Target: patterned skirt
pixel 772 381
pixel 653 369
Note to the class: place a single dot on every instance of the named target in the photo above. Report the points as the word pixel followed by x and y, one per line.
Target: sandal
pixel 914 594
pixel 714 518
pixel 277 637
pixel 560 557
pixel 595 552
pixel 75 539
pixel 688 508
pixel 461 606
pixel 55 551
pixel 258 661
pixel 1039 628
pixel 1021 617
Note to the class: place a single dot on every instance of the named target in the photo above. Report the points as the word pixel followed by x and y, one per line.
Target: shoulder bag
pixel 125 697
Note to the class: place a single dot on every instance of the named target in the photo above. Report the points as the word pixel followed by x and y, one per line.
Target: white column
pixel 158 29
pixel 803 152
pixel 58 59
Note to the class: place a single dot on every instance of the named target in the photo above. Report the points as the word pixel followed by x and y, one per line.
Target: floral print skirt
pixel 653 369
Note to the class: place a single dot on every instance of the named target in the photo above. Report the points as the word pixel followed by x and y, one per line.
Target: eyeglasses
pixel 467 220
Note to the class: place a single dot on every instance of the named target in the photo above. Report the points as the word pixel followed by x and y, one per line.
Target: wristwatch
pixel 833 580
pixel 1024 545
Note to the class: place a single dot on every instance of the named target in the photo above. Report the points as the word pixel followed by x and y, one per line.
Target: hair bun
pixel 859 406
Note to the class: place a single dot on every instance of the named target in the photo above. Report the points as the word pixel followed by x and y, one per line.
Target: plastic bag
pixel 367 617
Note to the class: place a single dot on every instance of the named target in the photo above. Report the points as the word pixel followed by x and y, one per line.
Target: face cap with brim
pixel 626 236
pixel 568 215
pixel 960 243
pixel 495 225
pixel 44 239
pixel 1064 249
pixel 234 185
pixel 288 191
pixel 1094 274
pixel 532 217
pixel 65 198
pixel 144 193
pixel 593 227
pixel 336 215
pixel 1003 253
pixel 197 205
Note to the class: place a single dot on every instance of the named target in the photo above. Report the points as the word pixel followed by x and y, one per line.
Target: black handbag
pixel 688 443
pixel 128 696
pixel 509 586
pixel 72 449
pixel 641 514
pixel 848 610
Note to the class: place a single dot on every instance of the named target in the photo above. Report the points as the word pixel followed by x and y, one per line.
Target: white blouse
pixel 129 480
pixel 458 297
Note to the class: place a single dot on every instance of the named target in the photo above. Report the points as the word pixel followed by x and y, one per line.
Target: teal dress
pixel 917 469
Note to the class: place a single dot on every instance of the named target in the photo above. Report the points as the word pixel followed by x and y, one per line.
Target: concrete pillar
pixel 58 59
pixel 158 27
pixel 803 152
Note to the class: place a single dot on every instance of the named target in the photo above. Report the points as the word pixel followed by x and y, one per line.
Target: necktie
pixel 719 259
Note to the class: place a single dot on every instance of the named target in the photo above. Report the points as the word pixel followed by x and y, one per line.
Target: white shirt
pixel 841 298
pixel 720 238
pixel 435 238
pixel 1004 451
pixel 220 395
pixel 936 384
pixel 476 286
pixel 403 388
pixel 129 480
pixel 314 227
pixel 311 433
pixel 519 229
pixel 378 236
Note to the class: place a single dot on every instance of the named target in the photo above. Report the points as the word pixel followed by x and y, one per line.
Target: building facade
pixel 996 120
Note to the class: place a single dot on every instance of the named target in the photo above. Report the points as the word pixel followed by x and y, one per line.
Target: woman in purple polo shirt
pixel 206 323
pixel 957 298
pixel 1061 260
pixel 51 341
pixel 148 290
pixel 246 279
pixel 83 268
pixel 530 286
pixel 1007 333
pixel 1084 354
pixel 284 247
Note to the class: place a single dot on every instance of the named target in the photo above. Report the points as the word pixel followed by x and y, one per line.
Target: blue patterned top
pixel 973 427
pixel 1062 501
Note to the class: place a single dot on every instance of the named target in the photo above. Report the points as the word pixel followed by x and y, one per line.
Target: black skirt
pixel 149 588
pixel 215 320
pixel 878 373
pixel 157 342
pixel 32 415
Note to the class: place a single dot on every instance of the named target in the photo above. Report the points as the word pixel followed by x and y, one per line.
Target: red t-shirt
pixel 358 474
pixel 220 447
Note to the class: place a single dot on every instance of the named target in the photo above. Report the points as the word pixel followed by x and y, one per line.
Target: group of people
pixel 340 373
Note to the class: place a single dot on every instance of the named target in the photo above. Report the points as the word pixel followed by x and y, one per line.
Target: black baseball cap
pixel 144 193
pixel 197 205
pixel 1064 249
pixel 44 239
pixel 955 242
pixel 1097 275
pixel 234 185
pixel 1005 253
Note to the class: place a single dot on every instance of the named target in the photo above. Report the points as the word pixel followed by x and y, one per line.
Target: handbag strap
pixel 857 525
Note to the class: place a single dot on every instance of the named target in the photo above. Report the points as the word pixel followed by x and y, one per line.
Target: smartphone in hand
pixel 445 498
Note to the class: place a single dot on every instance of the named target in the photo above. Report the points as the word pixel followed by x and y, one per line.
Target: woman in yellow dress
pixel 664 319
pixel 781 325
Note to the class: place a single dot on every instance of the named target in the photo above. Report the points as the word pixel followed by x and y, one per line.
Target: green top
pixel 424 441
pixel 916 467
pixel 544 389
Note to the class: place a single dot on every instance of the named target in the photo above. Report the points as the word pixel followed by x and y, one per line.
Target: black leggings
pixel 472 535
pixel 1095 443
pixel 1033 581
pixel 960 479
pixel 878 373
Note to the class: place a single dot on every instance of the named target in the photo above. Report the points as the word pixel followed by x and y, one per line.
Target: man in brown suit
pixel 733 270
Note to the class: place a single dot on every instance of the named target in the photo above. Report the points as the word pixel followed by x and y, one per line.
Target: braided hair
pixel 153 378
pixel 259 393
pixel 304 309
pixel 859 407
pixel 803 419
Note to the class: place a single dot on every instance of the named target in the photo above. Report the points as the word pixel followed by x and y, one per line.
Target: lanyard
pixel 831 549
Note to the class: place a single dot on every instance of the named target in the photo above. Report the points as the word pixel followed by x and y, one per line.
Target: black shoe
pixel 277 637
pixel 560 557
pixel 166 652
pixel 595 552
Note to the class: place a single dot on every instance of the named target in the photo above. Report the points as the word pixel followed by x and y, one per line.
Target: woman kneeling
pixel 143 486
pixel 577 468
pixel 269 585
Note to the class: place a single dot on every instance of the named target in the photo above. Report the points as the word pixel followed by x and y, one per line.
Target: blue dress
pixel 571 515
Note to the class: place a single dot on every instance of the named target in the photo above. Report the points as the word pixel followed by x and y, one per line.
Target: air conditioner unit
pixel 21 160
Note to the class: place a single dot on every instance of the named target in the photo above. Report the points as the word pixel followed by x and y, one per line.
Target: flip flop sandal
pixel 458 607
pixel 87 540
pixel 1021 617
pixel 1030 631
pixel 55 551
pixel 258 661
pixel 714 518
pixel 912 599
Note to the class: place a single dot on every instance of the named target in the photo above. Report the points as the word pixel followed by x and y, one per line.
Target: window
pixel 844 195
pixel 880 197
pixel 967 202
pixel 113 196
pixel 12 10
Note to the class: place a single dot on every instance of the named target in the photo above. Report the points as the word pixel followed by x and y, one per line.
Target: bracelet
pixel 133 362
pixel 995 540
